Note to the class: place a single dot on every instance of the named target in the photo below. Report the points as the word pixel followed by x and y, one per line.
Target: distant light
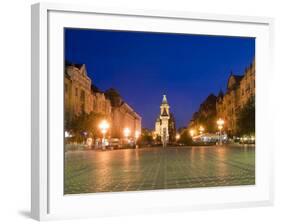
pixel 67 134
pixel 127 132
pixel 137 134
pixel 201 129
pixel 104 125
pixel 220 122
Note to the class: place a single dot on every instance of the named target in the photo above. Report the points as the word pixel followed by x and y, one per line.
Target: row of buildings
pixel 240 89
pixel 81 96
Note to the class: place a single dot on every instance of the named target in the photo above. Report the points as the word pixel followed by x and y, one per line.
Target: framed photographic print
pixel 148 111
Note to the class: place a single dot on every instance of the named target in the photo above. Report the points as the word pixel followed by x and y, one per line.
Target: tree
pixel 206 115
pixel 114 97
pixel 146 137
pixel 87 123
pixel 67 120
pixel 172 128
pixel 185 138
pixel 246 118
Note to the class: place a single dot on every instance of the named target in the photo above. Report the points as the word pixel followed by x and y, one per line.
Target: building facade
pixel 124 117
pixel 77 90
pixel 81 96
pixel 239 91
pixel 205 116
pixel 164 124
pixel 101 104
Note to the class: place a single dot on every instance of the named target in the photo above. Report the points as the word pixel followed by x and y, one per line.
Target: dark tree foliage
pixel 146 137
pixel 114 97
pixel 67 121
pixel 246 118
pixel 87 125
pixel 185 138
pixel 172 128
pixel 206 115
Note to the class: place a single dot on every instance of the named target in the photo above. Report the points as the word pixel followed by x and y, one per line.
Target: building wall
pixel 157 127
pixel 206 115
pixel 77 89
pixel 79 97
pixel 101 104
pixel 125 117
pixel 247 85
pixel 239 91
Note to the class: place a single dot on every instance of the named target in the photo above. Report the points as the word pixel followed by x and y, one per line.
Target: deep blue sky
pixel 144 66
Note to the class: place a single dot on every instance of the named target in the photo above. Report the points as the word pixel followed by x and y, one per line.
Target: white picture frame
pixel 48 201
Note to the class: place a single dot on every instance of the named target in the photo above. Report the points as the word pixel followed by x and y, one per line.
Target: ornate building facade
pixel 125 117
pixel 239 90
pixel 122 116
pixel 81 96
pixel 206 115
pixel 77 90
pixel 165 123
pixel 101 104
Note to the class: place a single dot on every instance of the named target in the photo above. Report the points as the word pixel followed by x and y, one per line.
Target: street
pixel 89 171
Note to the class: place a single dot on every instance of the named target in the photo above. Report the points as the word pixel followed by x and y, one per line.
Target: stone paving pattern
pixel 157 168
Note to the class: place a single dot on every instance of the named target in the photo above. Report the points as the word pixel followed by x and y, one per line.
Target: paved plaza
pixel 89 171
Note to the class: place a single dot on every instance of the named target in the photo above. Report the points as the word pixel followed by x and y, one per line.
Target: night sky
pixel 144 66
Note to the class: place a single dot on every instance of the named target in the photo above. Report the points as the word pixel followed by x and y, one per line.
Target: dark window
pixel 82 96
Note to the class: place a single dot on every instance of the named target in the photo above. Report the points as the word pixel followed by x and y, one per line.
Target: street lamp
pixel 137 135
pixel 220 123
pixel 104 125
pixel 178 137
pixel 201 129
pixel 127 133
pixel 192 132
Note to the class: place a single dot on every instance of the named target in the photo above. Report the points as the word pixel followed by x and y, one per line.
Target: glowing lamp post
pixel 192 133
pixel 220 123
pixel 137 135
pixel 127 133
pixel 104 125
pixel 178 137
pixel 201 129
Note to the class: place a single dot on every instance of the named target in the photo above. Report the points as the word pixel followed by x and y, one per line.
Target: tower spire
pixel 164 101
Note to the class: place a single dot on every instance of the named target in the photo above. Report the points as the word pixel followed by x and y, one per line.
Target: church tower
pixel 162 123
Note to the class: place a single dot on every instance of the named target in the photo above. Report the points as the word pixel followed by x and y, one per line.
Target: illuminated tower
pixel 162 123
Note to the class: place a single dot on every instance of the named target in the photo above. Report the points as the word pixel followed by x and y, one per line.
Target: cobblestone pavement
pixel 157 168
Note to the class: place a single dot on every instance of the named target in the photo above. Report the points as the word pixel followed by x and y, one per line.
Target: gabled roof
pixel 236 78
pixel 220 95
pixel 67 63
pixel 165 113
pixel 95 89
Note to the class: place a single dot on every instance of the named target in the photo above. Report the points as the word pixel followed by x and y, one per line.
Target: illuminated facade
pixel 162 122
pixel 81 96
pixel 77 90
pixel 124 117
pixel 239 90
